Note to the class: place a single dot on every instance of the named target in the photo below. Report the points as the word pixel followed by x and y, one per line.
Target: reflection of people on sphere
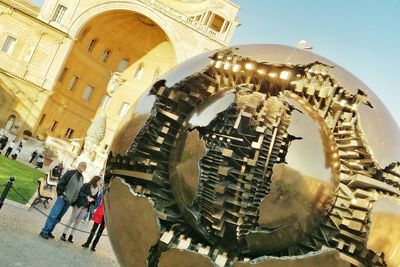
pixel 68 189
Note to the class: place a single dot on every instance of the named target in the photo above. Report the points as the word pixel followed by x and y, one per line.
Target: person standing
pixel 33 156
pixel 57 171
pixel 10 148
pixel 17 151
pixel 3 142
pixel 19 148
pixel 92 208
pixel 87 195
pixel 39 162
pixel 67 193
pixel 98 222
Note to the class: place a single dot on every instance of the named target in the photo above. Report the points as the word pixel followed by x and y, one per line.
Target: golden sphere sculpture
pixel 256 155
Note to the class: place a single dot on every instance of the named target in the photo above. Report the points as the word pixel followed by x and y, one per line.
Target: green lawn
pixel 25 179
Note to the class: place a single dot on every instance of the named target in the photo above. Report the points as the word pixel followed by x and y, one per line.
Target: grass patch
pixel 25 179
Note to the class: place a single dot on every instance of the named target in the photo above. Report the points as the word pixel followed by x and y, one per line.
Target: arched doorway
pixel 117 41
pixel 8 126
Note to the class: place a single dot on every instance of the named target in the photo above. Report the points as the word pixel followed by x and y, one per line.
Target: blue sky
pixel 363 36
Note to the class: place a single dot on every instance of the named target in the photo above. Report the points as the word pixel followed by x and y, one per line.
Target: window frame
pixel 139 71
pixel 69 133
pixel 9 45
pixel 53 126
pixel 120 62
pixel 73 83
pixel 105 101
pixel 106 55
pixel 91 45
pixel 63 74
pixel 59 13
pixel 83 96
pixel 123 110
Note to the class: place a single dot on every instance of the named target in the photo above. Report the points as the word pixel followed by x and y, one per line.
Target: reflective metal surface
pixel 326 258
pixel 132 123
pixel 130 217
pixel 175 257
pixel 185 169
pixel 385 230
pixel 252 152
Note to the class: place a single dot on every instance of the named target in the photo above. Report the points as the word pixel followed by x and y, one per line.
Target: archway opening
pixel 125 47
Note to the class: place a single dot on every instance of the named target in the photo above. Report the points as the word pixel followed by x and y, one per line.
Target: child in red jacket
pixel 98 219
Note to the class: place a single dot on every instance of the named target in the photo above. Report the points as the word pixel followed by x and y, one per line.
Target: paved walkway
pixel 21 245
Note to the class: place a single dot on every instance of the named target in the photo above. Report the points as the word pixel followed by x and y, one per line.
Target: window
pixel 105 148
pixel 9 45
pixel 73 82
pixel 124 109
pixel 156 74
pixel 59 13
pixel 69 133
pixel 123 64
pixel 105 55
pixel 139 71
pixel 104 102
pixel 87 93
pixel 42 119
pixel 62 75
pixel 92 43
pixel 217 23
pixel 53 126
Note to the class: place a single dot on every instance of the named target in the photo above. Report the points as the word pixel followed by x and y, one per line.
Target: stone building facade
pixel 65 63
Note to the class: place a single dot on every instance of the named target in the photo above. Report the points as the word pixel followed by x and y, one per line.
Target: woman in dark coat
pixel 87 194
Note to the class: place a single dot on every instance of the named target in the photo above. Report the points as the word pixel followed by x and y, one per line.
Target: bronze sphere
pixel 256 155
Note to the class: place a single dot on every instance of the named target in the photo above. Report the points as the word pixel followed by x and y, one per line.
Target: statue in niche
pixel 115 81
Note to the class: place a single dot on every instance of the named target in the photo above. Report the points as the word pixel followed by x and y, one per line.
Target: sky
pixel 362 36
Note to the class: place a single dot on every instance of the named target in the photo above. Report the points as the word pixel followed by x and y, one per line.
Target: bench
pixel 43 195
pixel 51 181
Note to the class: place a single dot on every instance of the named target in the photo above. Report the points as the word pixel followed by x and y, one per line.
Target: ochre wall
pixel 128 36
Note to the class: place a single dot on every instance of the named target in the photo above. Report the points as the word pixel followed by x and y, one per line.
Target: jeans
pixel 57 212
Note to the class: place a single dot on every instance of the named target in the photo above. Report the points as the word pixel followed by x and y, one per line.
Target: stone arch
pixel 10 122
pixel 86 16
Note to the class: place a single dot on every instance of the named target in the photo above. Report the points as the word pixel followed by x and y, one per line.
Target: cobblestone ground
pixel 21 245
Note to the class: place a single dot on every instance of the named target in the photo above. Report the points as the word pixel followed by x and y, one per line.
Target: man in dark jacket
pixel 67 192
pixel 3 142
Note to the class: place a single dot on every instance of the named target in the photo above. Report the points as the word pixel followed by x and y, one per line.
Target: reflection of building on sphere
pixel 236 156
